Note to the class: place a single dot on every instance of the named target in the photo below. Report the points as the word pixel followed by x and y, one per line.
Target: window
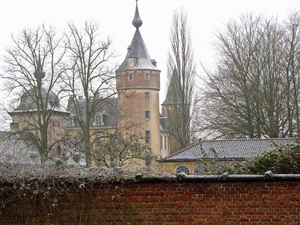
pixel 147 161
pixel 99 162
pixel 147 115
pixel 130 76
pixel 161 142
pixel 98 141
pixel 147 139
pixel 112 161
pixel 199 170
pixel 147 76
pixel 165 142
pixel 58 150
pixel 119 96
pixel 98 120
pixel 147 96
pixel 182 169
pixel 70 121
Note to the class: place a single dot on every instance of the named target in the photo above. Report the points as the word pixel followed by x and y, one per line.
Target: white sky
pixel 115 16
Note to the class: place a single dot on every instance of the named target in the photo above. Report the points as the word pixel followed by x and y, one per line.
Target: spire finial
pixel 137 22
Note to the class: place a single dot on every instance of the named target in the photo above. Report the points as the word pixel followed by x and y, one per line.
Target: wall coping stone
pixel 182 177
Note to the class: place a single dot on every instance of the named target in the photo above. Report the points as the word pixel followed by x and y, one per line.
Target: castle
pixel 137 103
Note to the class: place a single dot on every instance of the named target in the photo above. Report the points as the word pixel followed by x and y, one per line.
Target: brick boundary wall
pixel 223 199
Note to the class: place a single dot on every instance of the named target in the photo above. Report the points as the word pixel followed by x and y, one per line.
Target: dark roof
pixel 173 96
pixel 107 107
pixel 226 149
pixel 137 57
pixel 28 100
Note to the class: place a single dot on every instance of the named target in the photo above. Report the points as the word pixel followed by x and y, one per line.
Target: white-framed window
pixel 98 120
pixel 182 169
pixel 130 76
pixel 147 138
pixel 147 115
pixel 147 96
pixel 70 121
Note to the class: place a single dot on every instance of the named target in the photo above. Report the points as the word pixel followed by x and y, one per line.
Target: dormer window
pixel 98 120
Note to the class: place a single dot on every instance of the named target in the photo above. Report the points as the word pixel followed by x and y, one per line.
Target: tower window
pixel 147 96
pixel 148 161
pixel 147 115
pixel 130 76
pixel 147 76
pixel 112 161
pixel 147 139
pixel 58 150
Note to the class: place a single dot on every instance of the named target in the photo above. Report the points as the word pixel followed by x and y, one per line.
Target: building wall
pixel 56 130
pixel 171 166
pixel 164 202
pixel 164 144
pixel 169 111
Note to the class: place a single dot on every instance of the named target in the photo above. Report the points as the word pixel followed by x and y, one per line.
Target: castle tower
pixel 138 84
pixel 175 114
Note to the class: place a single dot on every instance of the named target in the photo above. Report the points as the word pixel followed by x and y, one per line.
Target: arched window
pixel 182 169
pixel 199 170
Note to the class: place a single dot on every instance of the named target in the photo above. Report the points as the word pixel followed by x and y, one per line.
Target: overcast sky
pixel 114 18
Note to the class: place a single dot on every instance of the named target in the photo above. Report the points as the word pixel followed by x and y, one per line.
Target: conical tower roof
pixel 173 96
pixel 137 57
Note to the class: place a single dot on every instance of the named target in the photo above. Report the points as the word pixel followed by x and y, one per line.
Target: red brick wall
pixel 169 202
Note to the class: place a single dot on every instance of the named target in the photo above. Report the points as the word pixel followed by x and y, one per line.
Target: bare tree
pixel 181 68
pixel 89 75
pixel 291 65
pixel 32 71
pixel 250 93
pixel 117 149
